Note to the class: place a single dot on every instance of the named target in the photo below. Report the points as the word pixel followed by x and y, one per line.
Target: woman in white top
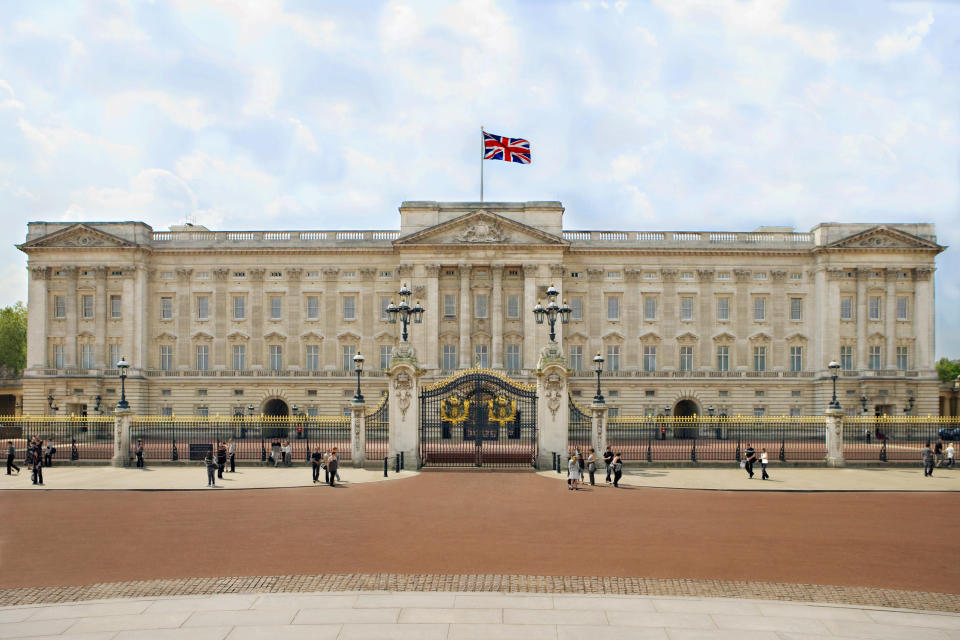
pixel 763 464
pixel 573 473
pixel 287 453
pixel 950 454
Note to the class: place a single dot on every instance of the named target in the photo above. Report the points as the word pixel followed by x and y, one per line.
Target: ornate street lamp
pixel 910 400
pixel 404 311
pixel 863 403
pixel 552 311
pixel 358 367
pixel 122 365
pixel 598 367
pixel 834 366
pixel 50 404
pixel 666 411
pixel 96 407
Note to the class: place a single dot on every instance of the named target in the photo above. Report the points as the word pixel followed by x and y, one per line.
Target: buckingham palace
pixel 222 322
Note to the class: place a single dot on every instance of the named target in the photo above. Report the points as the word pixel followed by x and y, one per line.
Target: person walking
pixel 591 464
pixel 232 454
pixel 316 459
pixel 275 452
pixel 763 464
pixel 326 466
pixel 950 455
pixel 928 461
pixel 573 473
pixel 221 458
pixel 617 469
pixel 211 465
pixel 938 452
pixel 749 457
pixel 580 462
pixel 332 466
pixel 36 456
pixel 608 462
pixel 11 456
pixel 48 451
pixel 138 451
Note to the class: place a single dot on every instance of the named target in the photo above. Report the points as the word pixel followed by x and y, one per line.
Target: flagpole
pixel 482 151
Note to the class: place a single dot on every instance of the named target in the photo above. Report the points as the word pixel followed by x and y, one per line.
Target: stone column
pixel 466 358
pixel 779 321
pixel 526 314
pixel 37 319
pixel 431 316
pixel 596 314
pixel 861 320
pixel 255 355
pixel 185 359
pixel 141 316
pixel 404 402
pixel 553 408
pixel 329 316
pixel 890 318
pixel 496 315
pixel 100 311
pixel 72 347
pixel 121 438
pixel 358 434
pixel 221 312
pixel 834 438
pixel 706 323
pixel 129 311
pixel 598 437
pixel 923 313
pixel 740 359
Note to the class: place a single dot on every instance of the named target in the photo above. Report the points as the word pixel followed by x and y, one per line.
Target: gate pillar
pixel 404 402
pixel 121 438
pixel 834 436
pixel 553 411
pixel 358 434
pixel 598 438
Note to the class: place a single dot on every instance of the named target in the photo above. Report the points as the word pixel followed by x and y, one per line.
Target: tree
pixel 13 339
pixel 947 369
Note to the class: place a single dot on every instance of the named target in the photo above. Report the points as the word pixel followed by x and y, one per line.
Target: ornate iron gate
pixel 478 418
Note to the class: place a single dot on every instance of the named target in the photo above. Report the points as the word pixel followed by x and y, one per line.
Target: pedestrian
pixel 928 461
pixel 573 473
pixel 938 452
pixel 580 462
pixel 287 453
pixel 763 464
pixel 316 459
pixel 591 464
pixel 275 452
pixel 326 467
pixel 138 451
pixel 221 458
pixel 332 466
pixel 11 454
pixel 950 455
pixel 48 451
pixel 211 466
pixel 617 469
pixel 608 462
pixel 232 454
pixel 36 456
pixel 866 434
pixel 749 457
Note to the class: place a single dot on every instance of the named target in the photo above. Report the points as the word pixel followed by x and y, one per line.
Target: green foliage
pixel 13 339
pixel 947 369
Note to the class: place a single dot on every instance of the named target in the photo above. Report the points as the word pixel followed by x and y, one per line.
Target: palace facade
pixel 214 322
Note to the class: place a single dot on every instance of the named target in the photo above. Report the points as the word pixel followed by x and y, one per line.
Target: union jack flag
pixel 503 148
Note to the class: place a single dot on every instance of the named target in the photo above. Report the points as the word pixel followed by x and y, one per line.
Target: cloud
pixel 906 41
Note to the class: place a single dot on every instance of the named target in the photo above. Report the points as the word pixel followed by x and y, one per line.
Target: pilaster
pixel 37 319
pixel 526 313
pixel 598 435
pixel 553 409
pixel 466 358
pixel 496 310
pixel 404 402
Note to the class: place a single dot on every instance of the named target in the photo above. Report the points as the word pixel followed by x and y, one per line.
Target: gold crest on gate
pixel 454 409
pixel 502 410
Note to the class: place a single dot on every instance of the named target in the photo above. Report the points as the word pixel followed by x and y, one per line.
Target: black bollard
pixel 693 451
pixel 649 451
pixel 783 451
pixel 74 454
pixel 883 451
pixel 263 451
pixel 174 455
pixel 402 467
pixel 738 448
pixel 396 468
pixel 384 466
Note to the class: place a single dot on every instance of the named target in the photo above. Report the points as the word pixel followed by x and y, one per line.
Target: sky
pixel 656 115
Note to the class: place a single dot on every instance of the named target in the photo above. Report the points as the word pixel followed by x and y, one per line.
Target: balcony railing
pixel 692 238
pixel 221 238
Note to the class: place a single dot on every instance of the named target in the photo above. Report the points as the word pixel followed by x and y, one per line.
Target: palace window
pixel 58 356
pixel 166 308
pixel 203 357
pixel 86 356
pixel 276 357
pixel 348 352
pixel 650 308
pixel 875 356
pixel 480 305
pixel 759 358
pixel 349 309
pixel 723 309
pixel 384 303
pixel 613 357
pixel 59 307
pixel 796 309
pixel 875 307
pixel 686 308
pixel 513 307
pixel 903 308
pixel 576 308
pixel 846 358
pixel 86 306
pixel 481 356
pixel 116 308
pixel 276 307
pixel 313 357
pixel 166 357
pixel 686 358
pixel 239 307
pixel 449 356
pixel 649 358
pixel 723 358
pixel 386 353
pixel 903 358
pixel 513 357
pixel 846 308
pixel 796 358
pixel 239 357
pixel 613 307
pixel 759 309
pixel 449 306
pixel 203 308
pixel 576 357
pixel 114 356
pixel 313 307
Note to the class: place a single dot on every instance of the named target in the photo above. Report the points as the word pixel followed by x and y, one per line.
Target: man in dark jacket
pixel 750 456
pixel 11 454
pixel 221 458
pixel 315 459
pixel 608 462
pixel 332 464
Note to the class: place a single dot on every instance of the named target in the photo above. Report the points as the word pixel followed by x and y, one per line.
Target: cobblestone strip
pixel 861 596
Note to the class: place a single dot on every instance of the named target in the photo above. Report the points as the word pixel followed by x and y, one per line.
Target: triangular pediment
pixel 481 228
pixel 724 336
pixel 275 336
pixel 884 237
pixel 78 236
pixel 311 336
pixel 650 336
pixel 687 336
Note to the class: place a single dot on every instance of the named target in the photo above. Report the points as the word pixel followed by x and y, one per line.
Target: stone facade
pixel 744 322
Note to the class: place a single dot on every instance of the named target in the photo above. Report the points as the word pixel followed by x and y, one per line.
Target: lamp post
pixel 358 367
pixel 598 367
pixel 834 366
pixel 51 405
pixel 404 311
pixel 552 311
pixel 863 403
pixel 909 408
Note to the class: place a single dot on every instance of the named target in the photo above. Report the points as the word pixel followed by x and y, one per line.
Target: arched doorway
pixel 683 409
pixel 275 407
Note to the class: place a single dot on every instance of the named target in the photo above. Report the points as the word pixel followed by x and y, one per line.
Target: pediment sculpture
pixel 483 231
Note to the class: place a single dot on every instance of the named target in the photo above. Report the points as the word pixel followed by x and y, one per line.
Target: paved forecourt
pixel 467 616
